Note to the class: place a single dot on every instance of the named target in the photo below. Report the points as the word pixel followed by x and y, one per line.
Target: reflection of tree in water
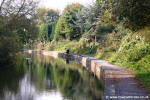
pixel 72 85
pixel 41 75
pixel 48 74
pixel 10 76
pixel 73 81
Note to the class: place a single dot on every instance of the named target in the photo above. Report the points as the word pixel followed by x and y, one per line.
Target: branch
pixel 21 7
pixel 1 5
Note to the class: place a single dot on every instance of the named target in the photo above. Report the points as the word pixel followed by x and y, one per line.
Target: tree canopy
pixel 135 13
pixel 46 15
pixel 66 27
pixel 17 26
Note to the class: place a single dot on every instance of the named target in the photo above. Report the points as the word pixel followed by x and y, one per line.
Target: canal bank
pixel 118 81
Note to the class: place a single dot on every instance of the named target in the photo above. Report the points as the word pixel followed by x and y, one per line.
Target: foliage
pixel 18 8
pixel 61 45
pixel 92 14
pixel 17 27
pixel 133 53
pixel 41 15
pixel 104 29
pixel 47 32
pixel 43 32
pixel 45 15
pixel 132 48
pixel 52 15
pixel 135 13
pixel 9 45
pixel 80 22
pixel 26 29
pixel 51 29
pixel 66 28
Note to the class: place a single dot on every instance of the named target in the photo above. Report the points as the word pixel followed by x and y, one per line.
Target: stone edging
pixel 117 80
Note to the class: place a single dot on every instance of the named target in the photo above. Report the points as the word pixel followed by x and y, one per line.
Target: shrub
pixel 102 29
pixel 133 51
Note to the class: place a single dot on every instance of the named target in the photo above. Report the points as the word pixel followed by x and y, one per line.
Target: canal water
pixel 37 77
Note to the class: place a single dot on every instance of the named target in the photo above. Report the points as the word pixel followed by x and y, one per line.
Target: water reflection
pixel 67 61
pixel 45 78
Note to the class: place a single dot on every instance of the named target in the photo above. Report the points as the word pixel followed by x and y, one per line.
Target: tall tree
pixel 15 25
pixel 66 28
pixel 52 15
pixel 46 15
pixel 135 13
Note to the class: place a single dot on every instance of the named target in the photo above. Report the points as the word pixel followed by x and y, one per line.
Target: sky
pixel 61 4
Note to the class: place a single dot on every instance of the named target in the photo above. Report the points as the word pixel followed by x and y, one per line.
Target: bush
pixel 102 29
pixel 132 48
pixel 134 54
pixel 9 46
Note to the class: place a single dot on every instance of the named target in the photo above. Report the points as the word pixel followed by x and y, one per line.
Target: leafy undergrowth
pixel 75 47
pixel 134 54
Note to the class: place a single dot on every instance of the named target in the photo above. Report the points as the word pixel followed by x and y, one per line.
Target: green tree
pixel 41 15
pixel 52 15
pixel 66 28
pixel 43 32
pixel 46 15
pixel 82 16
pixel 15 24
pixel 47 32
pixel 51 30
pixel 135 13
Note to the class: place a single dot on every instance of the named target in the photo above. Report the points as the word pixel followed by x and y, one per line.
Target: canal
pixel 37 77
